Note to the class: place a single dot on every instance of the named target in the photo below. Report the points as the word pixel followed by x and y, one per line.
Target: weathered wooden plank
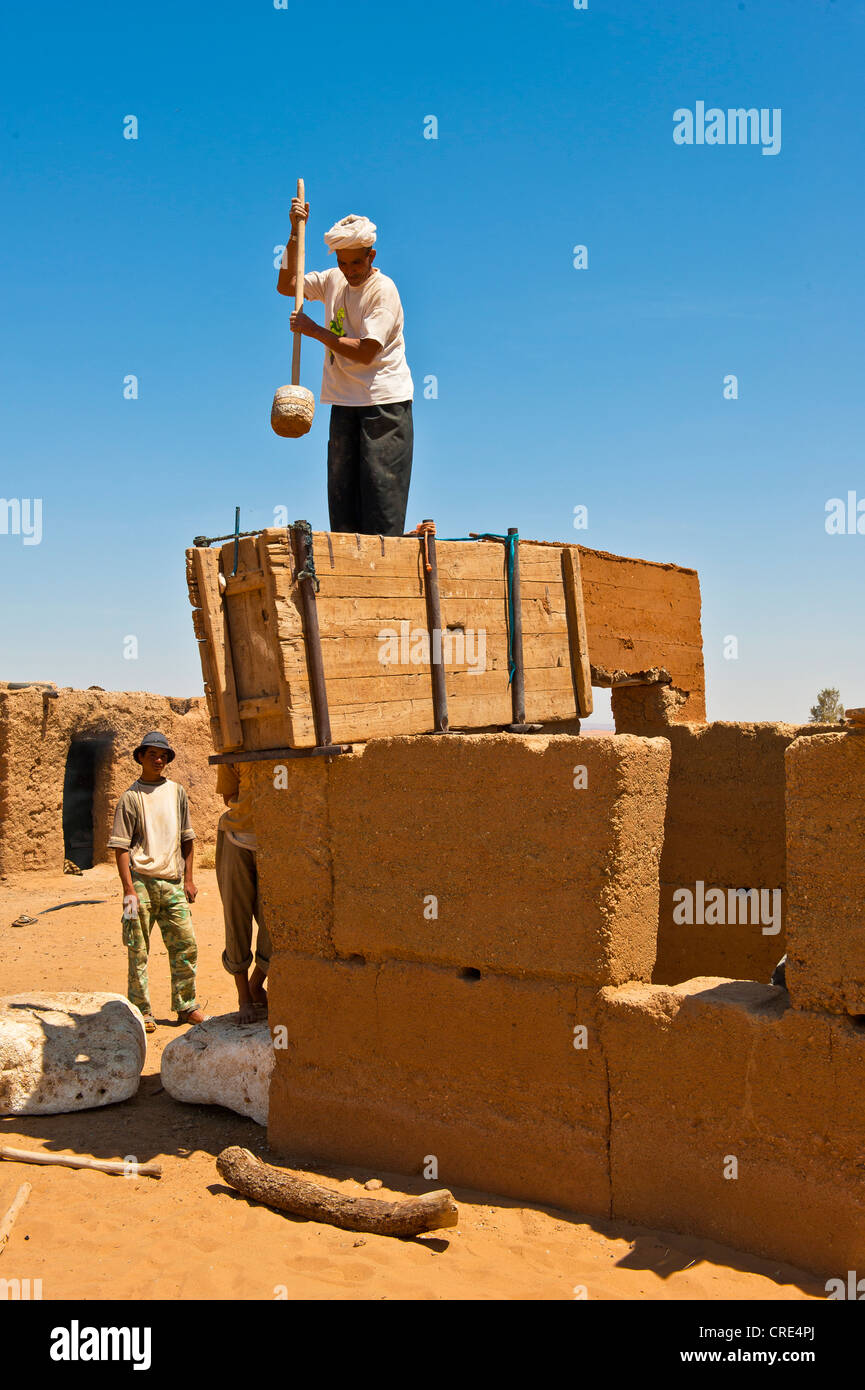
pixel 250 620
pixel 578 641
pixel 265 707
pixel 400 556
pixel 354 654
pixel 487 614
pixel 239 583
pixel 221 669
pixel 414 684
pixel 401 587
pixel 286 637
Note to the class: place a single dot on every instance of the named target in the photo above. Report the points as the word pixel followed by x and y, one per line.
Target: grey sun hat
pixel 154 740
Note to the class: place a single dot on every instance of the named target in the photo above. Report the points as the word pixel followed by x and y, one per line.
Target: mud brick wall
pixel 715 1069
pixel 725 827
pixel 36 730
pixel 826 872
pixel 444 911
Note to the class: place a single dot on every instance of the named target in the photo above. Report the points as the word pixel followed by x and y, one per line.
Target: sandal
pixel 149 1023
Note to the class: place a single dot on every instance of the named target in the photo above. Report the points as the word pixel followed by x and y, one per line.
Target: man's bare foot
pixel 248 1012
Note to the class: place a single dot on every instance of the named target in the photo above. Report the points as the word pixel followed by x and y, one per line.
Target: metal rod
pixel 434 626
pixel 201 542
pixel 236 537
pixel 301 539
pixel 518 684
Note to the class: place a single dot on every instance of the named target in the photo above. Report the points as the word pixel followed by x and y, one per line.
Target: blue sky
pixel 557 387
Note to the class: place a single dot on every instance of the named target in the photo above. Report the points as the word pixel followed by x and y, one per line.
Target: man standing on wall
pixel 366 378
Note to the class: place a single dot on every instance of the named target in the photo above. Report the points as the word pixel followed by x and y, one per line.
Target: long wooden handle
pixel 298 287
pixel 148 1170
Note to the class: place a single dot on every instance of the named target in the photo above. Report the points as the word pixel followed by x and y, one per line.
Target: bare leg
pixel 251 994
pixel 256 987
pixel 247 1011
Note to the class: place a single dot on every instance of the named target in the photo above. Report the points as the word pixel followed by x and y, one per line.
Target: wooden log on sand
pixel 102 1165
pixel 8 1221
pixel 283 1189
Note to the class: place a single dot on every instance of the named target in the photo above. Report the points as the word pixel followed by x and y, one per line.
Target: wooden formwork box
pixel 248 619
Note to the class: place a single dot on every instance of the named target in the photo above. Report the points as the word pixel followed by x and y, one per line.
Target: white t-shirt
pixel 371 310
pixel 151 820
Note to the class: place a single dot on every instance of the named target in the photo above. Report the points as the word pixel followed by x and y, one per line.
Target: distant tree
pixel 828 709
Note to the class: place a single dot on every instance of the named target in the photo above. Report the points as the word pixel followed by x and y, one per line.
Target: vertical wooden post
pixel 518 684
pixel 215 618
pixel 581 671
pixel 302 547
pixel 434 625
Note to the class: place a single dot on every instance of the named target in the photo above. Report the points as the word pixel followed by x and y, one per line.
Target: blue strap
pixel 510 546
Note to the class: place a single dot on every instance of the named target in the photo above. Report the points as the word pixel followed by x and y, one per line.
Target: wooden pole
pixel 283 1189
pixel 8 1221
pixel 434 625
pixel 298 286
pixel 302 546
pixel 518 684
pixel 267 755
pixel 143 1170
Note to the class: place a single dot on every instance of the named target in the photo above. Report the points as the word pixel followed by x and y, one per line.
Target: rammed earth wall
pixel 467 901
pixel 725 827
pixel 465 942
pixel 37 727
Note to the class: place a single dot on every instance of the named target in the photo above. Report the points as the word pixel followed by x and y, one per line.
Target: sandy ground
pixel 88 1235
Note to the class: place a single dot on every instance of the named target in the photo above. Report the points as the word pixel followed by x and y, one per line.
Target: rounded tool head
pixel 292 411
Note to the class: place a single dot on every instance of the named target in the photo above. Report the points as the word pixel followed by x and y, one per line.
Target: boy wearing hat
pixel 366 378
pixel 153 842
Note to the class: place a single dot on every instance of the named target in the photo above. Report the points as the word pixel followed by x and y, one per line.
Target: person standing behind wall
pixel 366 379
pixel 237 876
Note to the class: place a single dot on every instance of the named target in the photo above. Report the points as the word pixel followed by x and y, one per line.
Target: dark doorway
pixel 84 764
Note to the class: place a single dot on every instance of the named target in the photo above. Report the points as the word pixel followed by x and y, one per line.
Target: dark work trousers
pixel 369 456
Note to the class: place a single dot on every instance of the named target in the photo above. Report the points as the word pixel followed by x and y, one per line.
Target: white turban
pixel 350 231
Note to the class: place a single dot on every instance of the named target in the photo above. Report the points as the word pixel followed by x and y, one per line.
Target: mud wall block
pixel 738 1117
pixel 395 1064
pixel 533 857
pixel 725 828
pixel 826 872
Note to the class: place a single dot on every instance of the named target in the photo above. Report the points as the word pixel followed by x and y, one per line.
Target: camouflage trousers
pixel 163 904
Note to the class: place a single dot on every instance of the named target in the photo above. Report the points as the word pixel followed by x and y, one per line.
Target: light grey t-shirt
pixel 151 820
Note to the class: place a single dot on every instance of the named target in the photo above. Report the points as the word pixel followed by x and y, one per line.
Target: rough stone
pixel 71 1051
pixel 222 1062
